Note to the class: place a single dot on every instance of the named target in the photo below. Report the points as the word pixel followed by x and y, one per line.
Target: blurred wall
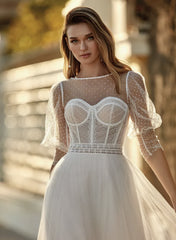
pixel 24 162
pixel 24 92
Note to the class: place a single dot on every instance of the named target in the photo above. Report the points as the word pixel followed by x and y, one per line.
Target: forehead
pixel 78 30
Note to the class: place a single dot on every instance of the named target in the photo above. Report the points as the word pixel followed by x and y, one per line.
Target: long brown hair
pixel 104 41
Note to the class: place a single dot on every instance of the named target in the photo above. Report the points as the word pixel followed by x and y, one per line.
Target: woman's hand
pixel 160 167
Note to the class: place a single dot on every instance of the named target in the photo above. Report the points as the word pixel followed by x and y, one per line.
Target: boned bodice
pixel 97 128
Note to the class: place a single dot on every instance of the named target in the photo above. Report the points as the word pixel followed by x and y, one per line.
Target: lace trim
pixel 102 76
pixel 95 148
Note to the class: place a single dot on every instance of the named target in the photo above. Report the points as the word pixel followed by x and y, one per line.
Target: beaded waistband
pixel 95 148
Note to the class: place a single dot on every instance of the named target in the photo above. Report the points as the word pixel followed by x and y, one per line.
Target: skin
pixel 83 46
pixel 160 167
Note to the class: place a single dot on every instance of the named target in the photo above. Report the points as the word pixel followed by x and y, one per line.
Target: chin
pixel 88 61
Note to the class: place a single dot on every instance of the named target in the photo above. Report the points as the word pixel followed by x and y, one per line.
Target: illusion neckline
pixel 82 78
pixel 98 103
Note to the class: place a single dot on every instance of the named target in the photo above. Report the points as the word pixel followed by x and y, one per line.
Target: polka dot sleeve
pixel 56 129
pixel 143 117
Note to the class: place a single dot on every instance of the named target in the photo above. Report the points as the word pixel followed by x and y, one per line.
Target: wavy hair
pixel 104 39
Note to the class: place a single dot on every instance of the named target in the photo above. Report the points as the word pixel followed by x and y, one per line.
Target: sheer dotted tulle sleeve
pixel 143 117
pixel 56 129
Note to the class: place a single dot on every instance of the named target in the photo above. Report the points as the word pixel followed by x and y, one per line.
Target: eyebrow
pixel 87 35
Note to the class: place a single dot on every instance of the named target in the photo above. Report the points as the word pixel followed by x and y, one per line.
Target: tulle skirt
pixel 94 196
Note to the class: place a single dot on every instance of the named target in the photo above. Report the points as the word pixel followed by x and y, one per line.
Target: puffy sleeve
pixel 143 117
pixel 56 129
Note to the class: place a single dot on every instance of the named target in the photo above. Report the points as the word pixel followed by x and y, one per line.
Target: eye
pixel 91 38
pixel 74 41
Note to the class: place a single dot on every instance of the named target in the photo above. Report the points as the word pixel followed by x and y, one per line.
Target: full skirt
pixel 97 196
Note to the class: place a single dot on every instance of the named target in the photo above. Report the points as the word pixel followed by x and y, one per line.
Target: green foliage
pixel 39 24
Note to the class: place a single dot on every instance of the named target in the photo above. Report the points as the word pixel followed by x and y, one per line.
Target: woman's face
pixel 81 42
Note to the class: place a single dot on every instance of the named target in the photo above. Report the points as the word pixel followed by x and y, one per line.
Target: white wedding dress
pixel 95 192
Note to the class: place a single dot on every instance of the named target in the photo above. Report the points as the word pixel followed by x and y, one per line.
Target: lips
pixel 85 55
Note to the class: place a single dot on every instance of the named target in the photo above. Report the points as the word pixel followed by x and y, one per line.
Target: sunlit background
pixel 30 62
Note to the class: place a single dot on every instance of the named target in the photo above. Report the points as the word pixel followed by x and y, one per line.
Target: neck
pixel 91 70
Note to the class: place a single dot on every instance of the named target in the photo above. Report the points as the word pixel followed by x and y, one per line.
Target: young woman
pixel 95 192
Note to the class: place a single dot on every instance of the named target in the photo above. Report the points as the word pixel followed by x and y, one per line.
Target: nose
pixel 83 45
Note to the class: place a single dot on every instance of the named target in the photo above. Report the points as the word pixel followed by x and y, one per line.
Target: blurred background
pixel 30 62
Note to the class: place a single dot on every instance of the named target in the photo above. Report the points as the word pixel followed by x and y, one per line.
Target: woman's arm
pixel 58 155
pixel 160 167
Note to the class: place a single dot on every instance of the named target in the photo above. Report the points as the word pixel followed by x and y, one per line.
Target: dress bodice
pixel 99 127
pixel 89 115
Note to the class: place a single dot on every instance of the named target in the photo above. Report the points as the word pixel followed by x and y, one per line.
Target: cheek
pixel 95 47
pixel 74 49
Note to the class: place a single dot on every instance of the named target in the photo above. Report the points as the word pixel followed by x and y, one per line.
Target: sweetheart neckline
pixel 94 105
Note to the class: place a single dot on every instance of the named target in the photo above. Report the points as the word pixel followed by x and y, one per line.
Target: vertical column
pixel 102 7
pixel 119 28
pixel 119 19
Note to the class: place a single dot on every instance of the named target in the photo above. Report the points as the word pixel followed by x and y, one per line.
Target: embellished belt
pixel 95 148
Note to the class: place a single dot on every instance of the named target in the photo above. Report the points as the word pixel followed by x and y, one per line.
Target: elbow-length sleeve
pixel 143 117
pixel 56 129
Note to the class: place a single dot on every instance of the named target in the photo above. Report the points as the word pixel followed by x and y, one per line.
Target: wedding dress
pixel 95 192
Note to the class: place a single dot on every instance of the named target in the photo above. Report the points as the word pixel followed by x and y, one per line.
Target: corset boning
pixel 98 128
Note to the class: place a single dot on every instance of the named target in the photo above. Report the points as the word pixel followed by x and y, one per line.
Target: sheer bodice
pixel 88 115
pixel 96 128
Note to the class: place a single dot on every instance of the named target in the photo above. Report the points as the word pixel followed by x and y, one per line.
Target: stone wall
pixel 24 94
